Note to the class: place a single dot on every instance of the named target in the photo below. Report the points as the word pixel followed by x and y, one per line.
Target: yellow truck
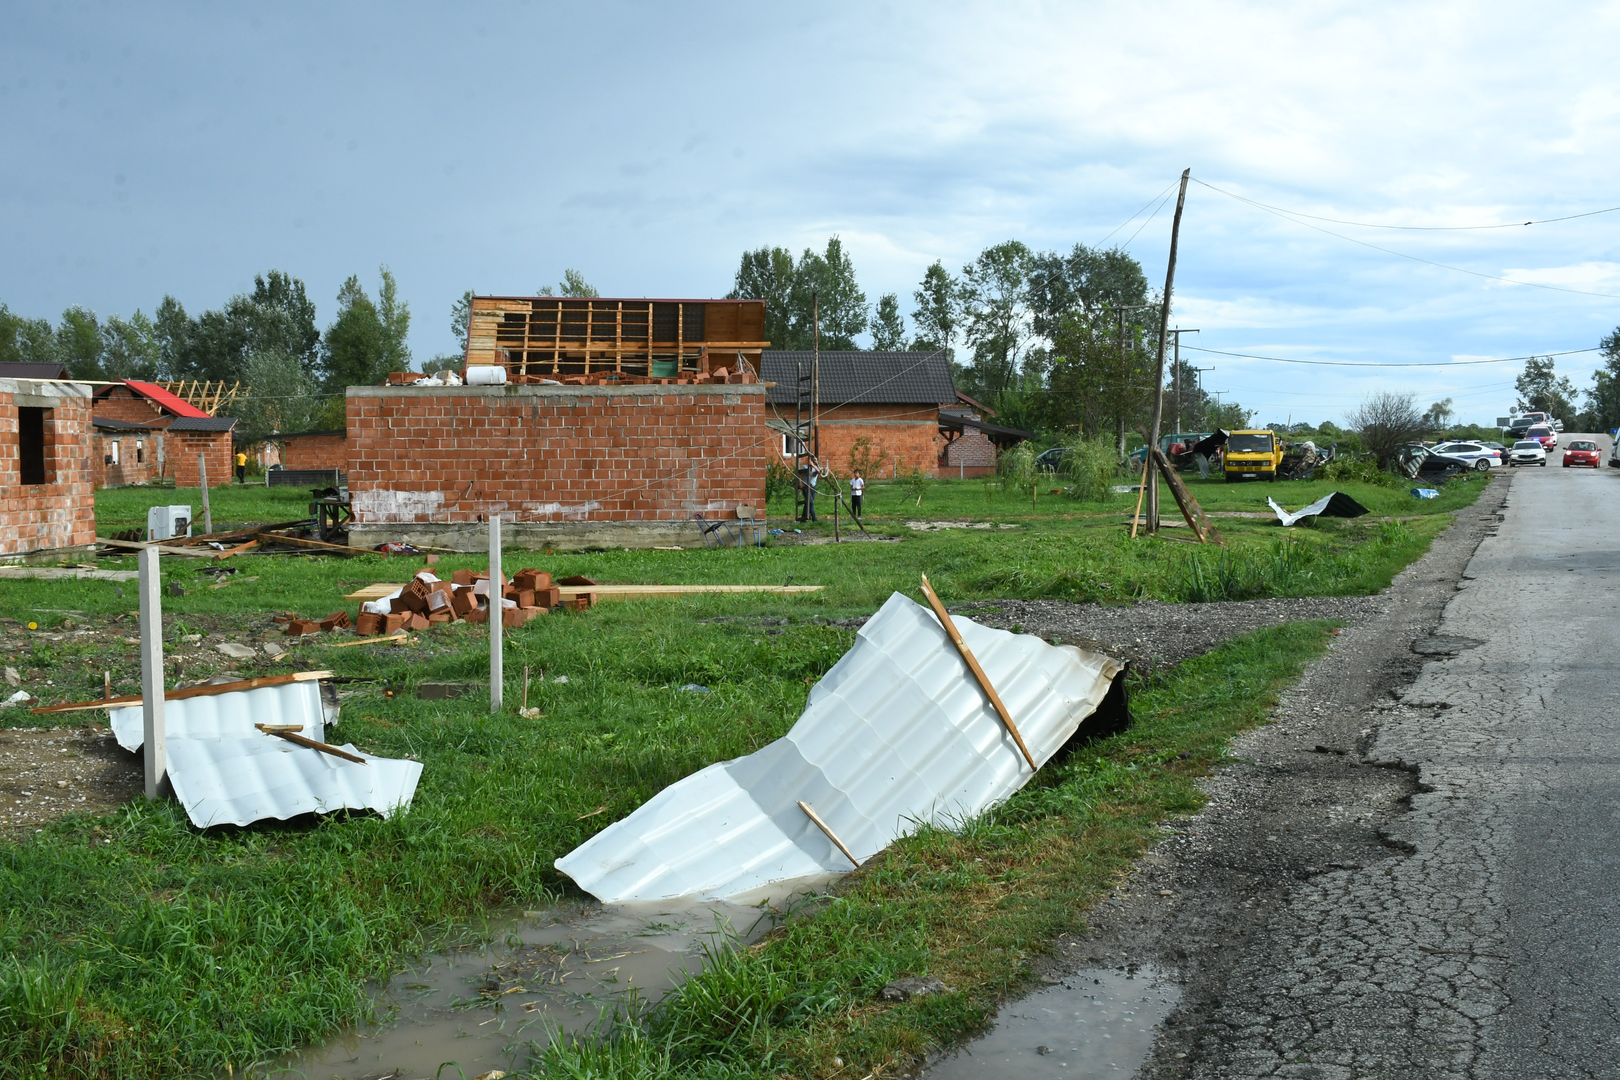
pixel 1252 455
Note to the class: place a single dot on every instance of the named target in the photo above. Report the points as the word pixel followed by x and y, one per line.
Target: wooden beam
pixel 973 666
pixel 274 729
pixel 298 541
pixel 823 826
pixel 131 545
pixel 191 691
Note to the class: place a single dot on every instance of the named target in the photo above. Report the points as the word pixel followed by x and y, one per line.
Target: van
pixel 1252 455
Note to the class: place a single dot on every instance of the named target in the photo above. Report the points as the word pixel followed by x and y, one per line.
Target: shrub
pixel 1091 467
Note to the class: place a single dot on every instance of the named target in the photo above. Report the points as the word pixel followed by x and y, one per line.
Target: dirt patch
pixel 48 772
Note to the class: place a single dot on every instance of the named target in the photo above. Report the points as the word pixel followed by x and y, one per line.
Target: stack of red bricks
pixel 426 600
pixel 296 627
pixel 529 593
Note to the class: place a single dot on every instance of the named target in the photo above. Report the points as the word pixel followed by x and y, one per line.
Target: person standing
pixel 241 466
pixel 857 488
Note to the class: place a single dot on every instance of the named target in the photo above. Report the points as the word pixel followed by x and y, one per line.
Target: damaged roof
pixel 203 423
pixel 159 396
pixel 862 377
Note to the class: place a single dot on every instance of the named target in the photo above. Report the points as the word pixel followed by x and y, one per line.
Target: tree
pixel 1100 371
pixel 767 274
pixel 129 348
pixel 28 341
pixel 1543 391
pixel 78 343
pixel 1438 415
pixel 1603 399
pixel 938 311
pixel 995 316
pixel 367 340
pixel 283 397
pixel 825 293
pixel 1083 280
pixel 888 327
pixel 461 319
pixel 1387 421
pixel 573 284
pixel 276 316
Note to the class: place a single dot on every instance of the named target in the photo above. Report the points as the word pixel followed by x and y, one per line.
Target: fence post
pixel 497 613
pixel 156 747
pixel 202 475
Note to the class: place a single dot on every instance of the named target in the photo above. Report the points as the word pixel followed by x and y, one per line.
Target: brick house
pixel 314 450
pixel 187 437
pixel 891 400
pixel 973 445
pixel 567 466
pixel 125 452
pixel 47 484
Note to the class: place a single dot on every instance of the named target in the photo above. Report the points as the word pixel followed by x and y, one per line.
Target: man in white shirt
pixel 857 488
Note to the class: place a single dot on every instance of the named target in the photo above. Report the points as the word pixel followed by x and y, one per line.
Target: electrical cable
pixel 1286 216
pixel 1133 217
pixel 1405 228
pixel 1149 221
pixel 1377 364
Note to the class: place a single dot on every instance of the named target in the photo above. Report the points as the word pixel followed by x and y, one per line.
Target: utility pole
pixel 1158 381
pixel 1175 372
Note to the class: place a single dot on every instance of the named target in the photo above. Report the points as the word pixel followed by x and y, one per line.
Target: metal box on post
pixel 168 522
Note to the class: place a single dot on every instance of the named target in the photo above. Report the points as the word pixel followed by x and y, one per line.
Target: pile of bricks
pixel 529 593
pixel 426 600
pixel 296 627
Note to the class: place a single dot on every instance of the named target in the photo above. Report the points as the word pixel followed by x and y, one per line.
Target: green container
pixel 665 369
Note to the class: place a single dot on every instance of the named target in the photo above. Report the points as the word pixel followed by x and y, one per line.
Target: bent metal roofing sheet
pixel 898 733
pixel 216 716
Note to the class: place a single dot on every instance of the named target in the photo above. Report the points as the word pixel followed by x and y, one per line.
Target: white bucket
pixel 486 375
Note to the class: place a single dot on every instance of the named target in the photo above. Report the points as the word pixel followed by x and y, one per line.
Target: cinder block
pixel 369 624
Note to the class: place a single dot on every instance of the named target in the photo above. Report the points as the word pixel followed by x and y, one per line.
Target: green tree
pixel 28 341
pixel 1438 415
pixel 825 292
pixel 276 316
pixel 939 309
pixel 573 284
pixel 888 326
pixel 995 315
pixel 767 274
pixel 461 319
pixel 1100 373
pixel 366 340
pixel 282 397
pixel 78 343
pixel 1542 390
pixel 1083 280
pixel 129 348
pixel 1603 400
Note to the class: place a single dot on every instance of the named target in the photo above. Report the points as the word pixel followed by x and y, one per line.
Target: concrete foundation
pixel 531 535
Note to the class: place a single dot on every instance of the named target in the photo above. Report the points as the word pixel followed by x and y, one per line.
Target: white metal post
pixel 152 725
pixel 496 613
pixel 202 475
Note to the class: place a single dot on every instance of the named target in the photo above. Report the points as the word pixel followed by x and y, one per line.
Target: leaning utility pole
pixel 1158 382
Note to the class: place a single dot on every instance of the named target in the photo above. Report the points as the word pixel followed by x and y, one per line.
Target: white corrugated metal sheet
pixel 237 781
pixel 896 734
pixel 232 715
pixel 225 771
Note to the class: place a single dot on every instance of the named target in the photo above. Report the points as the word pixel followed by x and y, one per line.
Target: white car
pixel 1478 455
pixel 1527 452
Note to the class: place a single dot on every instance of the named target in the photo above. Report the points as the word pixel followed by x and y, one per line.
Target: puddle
pixel 470 1011
pixel 1100 1022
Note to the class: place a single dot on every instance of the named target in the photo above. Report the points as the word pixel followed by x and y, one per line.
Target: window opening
pixel 140 453
pixel 31 444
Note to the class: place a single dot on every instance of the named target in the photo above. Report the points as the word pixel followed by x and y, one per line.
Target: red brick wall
pixel 969 454
pixel 904 436
pixel 315 452
pixel 62 511
pixel 182 450
pixel 122 403
pixel 128 470
pixel 555 453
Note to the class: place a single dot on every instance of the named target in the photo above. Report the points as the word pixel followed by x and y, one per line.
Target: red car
pixel 1545 436
pixel 1581 452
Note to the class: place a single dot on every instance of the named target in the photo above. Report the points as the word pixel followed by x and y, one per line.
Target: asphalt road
pixel 1492 949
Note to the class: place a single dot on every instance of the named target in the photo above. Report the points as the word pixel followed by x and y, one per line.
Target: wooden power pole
pixel 1158 381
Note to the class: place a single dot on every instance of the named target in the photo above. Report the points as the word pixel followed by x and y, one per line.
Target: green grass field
pixel 135 945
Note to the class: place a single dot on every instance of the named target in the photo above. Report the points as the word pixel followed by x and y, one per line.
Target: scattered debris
pixel 906 989
pixel 935 526
pixel 181 693
pixel 237 652
pixel 1425 493
pixel 273 649
pixel 21 697
pixel 694 688
pixel 900 697
pixel 443 691
pixel 1333 504
pixel 54 573
pixel 12 678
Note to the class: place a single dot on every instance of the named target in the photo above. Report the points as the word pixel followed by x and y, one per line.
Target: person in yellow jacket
pixel 241 467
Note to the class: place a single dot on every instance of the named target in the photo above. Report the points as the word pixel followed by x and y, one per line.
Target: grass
pixel 135 945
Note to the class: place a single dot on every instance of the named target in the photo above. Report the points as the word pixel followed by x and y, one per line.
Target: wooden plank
pixel 292 737
pixel 617 592
pixel 299 541
pixel 185 553
pixel 191 691
pixel 238 550
pixel 973 666
pixel 825 828
pixel 398 637
pixel 1197 520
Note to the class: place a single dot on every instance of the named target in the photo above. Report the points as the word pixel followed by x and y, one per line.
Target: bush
pixel 1091 468
pixel 778 481
pixel 1363 469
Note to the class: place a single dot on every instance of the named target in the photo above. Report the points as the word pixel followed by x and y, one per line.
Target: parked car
pixel 1545 435
pixel 1051 460
pixel 1528 452
pixel 1558 425
pixel 1483 457
pixel 1421 463
pixel 1501 451
pixel 1582 452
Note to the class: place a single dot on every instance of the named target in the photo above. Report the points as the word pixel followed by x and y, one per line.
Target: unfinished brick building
pixel 188 437
pixel 125 452
pixel 878 410
pixel 47 483
pixel 565 466
pixel 314 450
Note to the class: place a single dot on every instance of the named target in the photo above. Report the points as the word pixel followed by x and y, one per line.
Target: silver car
pixel 1528 452
pixel 1478 455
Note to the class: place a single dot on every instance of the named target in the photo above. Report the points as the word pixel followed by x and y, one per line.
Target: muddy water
pixel 1099 1022
pixel 476 1010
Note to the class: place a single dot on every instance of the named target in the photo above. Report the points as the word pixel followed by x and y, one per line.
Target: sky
pixel 184 148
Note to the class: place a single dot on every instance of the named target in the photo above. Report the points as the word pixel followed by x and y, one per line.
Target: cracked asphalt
pixel 1414 871
pixel 1427 835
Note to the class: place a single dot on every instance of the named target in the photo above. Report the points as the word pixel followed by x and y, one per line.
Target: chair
pixel 749 525
pixel 711 531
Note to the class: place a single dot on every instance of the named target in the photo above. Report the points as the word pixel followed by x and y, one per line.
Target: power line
pixel 1157 198
pixel 1288 216
pixel 1408 228
pixel 1377 364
